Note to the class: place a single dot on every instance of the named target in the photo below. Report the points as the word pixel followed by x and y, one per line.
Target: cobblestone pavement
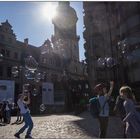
pixel 65 126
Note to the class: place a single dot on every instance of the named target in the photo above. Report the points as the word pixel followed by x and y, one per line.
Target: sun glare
pixel 48 10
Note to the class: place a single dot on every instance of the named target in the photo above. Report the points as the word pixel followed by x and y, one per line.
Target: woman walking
pixel 132 119
pixel 26 115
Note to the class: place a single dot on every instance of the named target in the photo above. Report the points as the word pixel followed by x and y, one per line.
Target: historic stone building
pixel 57 57
pixel 112 42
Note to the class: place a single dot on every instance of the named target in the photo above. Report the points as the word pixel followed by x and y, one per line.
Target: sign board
pixel 7 89
pixel 47 93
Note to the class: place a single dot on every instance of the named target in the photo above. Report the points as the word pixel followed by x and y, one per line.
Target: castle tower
pixel 65 30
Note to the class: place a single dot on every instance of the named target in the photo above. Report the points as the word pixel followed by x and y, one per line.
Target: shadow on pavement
pixel 90 126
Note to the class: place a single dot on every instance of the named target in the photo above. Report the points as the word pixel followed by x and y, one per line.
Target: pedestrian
pixel 132 119
pixel 103 97
pixel 4 112
pixel 0 112
pixel 19 119
pixel 8 112
pixel 24 110
pixel 120 110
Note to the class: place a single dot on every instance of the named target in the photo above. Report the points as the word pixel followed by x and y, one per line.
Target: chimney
pixel 26 42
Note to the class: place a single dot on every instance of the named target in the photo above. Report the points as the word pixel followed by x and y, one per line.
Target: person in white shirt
pixel 103 97
pixel 24 110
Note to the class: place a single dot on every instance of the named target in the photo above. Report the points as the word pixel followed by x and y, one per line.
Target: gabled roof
pixel 7 24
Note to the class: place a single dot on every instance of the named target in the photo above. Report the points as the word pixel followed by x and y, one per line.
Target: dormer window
pixel 6 29
pixel 10 40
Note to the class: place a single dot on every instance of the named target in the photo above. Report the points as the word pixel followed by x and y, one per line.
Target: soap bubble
pixel 34 92
pixel 110 62
pixel 101 62
pixel 30 63
pixel 43 75
pixel 36 80
pixel 38 76
pixel 15 71
pixel 42 107
pixel 26 88
pixel 30 75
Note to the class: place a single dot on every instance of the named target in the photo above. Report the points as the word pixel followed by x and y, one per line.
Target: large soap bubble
pixel 30 63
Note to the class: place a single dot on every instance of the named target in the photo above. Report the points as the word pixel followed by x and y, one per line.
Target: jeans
pixel 28 124
pixel 103 126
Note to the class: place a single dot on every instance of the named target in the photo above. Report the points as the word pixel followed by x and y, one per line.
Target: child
pixel 132 119
pixel 103 97
pixel 119 109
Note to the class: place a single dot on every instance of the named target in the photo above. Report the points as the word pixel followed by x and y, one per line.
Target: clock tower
pixel 65 30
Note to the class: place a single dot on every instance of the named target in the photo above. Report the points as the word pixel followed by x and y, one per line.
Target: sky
pixel 29 21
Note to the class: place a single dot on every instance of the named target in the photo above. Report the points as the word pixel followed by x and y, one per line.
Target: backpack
pixel 94 107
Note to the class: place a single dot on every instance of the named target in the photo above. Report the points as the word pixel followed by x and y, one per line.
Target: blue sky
pixel 27 21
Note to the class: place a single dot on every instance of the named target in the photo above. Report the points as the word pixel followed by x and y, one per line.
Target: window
pixel 75 69
pixel 44 60
pixel 51 61
pixel 6 29
pixel 7 53
pixel 3 52
pixel 10 40
pixel 2 37
pixel 9 74
pixel 16 55
pixel 58 63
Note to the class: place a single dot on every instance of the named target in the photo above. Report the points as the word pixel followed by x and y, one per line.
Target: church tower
pixel 65 30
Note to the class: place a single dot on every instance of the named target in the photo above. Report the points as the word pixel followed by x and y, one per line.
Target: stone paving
pixel 65 126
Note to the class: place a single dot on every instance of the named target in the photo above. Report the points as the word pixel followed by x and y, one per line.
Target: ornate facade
pixel 58 57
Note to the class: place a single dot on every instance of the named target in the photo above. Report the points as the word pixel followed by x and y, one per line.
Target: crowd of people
pixel 7 109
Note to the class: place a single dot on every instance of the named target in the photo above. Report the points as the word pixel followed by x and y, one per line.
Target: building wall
pixel 54 64
pixel 107 23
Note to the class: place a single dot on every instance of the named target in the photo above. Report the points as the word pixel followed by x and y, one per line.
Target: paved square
pixel 65 126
